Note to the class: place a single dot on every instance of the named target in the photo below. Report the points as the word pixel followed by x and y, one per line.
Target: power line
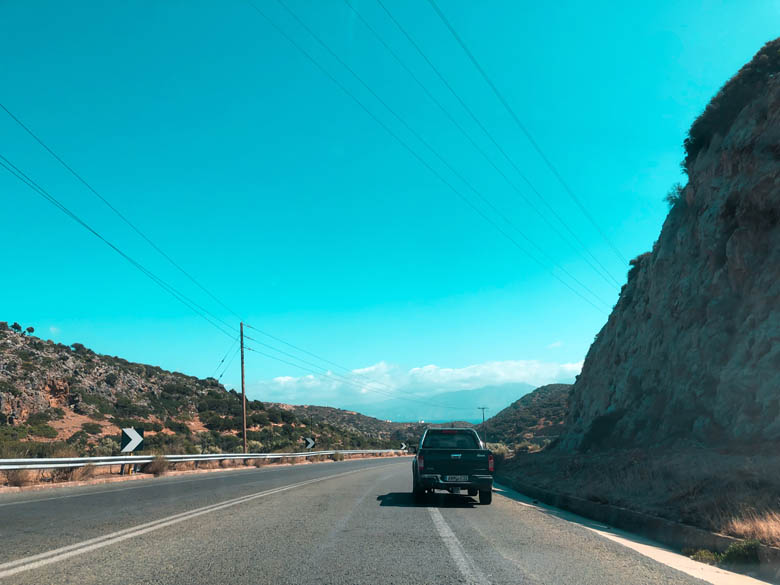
pixel 340 377
pixel 189 303
pixel 431 149
pixel 227 367
pixel 406 146
pixel 235 341
pixel 524 130
pixel 84 182
pixel 344 380
pixel 133 226
pixel 600 271
pixel 322 359
pixel 157 280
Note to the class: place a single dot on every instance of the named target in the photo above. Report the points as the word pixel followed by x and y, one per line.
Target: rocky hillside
pixel 691 351
pixel 356 422
pixel 533 421
pixel 54 396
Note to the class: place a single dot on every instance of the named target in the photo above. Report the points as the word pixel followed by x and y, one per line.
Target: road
pixel 340 523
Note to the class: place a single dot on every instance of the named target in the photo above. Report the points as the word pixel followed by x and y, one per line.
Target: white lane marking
pixel 643 546
pixel 149 482
pixel 462 559
pixel 59 554
pixel 218 475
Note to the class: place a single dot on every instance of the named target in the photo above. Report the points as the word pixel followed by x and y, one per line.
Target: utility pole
pixel 484 430
pixel 243 388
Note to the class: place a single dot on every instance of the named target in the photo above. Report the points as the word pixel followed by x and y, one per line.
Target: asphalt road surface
pixel 341 523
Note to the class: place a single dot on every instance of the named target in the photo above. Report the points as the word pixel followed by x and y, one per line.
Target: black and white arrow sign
pixel 309 442
pixel 403 446
pixel 132 439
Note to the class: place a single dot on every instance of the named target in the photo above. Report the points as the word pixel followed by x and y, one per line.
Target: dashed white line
pixel 60 554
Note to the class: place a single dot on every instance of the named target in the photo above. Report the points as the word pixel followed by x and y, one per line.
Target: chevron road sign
pixel 309 442
pixel 132 439
pixel 403 446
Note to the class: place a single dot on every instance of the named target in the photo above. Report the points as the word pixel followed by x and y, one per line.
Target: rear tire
pixel 472 492
pixel 485 497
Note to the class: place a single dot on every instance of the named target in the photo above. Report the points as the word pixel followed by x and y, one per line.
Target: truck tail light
pixel 420 463
pixel 490 463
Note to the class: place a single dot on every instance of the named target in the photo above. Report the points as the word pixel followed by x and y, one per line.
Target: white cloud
pixel 382 381
pixel 555 344
pixel 54 330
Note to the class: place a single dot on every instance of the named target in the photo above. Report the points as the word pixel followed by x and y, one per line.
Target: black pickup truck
pixel 453 460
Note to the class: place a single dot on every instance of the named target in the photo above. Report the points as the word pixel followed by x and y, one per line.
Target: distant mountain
pixel 458 405
pixel 533 421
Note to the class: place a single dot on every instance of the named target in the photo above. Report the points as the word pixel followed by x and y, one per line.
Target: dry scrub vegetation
pixel 728 492
pixel 21 477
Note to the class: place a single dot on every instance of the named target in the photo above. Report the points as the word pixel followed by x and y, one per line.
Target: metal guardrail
pixel 68 462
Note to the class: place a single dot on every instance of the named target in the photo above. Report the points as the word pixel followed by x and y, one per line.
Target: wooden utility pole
pixel 243 388
pixel 482 408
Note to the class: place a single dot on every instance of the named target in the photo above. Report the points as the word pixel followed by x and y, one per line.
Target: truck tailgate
pixel 450 462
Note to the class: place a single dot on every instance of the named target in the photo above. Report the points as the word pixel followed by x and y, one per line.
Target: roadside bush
pixel 337 456
pixel 500 453
pixel 158 467
pixel 183 466
pixel 21 477
pixel 703 556
pixel 38 418
pixel 73 473
pixel 43 430
pixel 177 427
pixel 91 428
pixel 78 438
pixel 126 409
pixel 105 447
pixel 741 553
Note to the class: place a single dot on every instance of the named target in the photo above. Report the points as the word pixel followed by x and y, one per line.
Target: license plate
pixel 456 478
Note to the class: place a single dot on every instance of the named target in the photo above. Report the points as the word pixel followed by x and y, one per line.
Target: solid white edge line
pixel 639 544
pixel 25 564
pixel 466 566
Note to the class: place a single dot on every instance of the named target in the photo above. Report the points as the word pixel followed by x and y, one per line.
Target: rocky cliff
pixel 691 351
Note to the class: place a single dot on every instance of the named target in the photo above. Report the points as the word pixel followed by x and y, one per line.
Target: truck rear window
pixel 450 439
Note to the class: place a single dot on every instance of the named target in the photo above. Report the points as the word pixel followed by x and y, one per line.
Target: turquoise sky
pixel 260 177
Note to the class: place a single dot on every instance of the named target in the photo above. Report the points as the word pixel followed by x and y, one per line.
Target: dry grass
pixel 183 466
pixel 82 473
pixel 159 466
pixel 732 492
pixel 259 462
pixel 764 527
pixel 21 477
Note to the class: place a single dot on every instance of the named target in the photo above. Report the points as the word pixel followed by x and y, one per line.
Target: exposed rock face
pixel 691 351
